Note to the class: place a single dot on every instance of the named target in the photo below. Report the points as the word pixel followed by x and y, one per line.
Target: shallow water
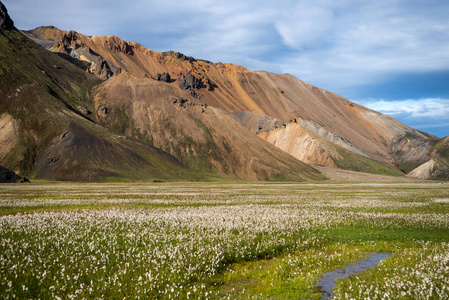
pixel 327 283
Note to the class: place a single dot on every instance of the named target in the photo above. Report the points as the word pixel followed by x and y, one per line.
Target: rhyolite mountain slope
pixel 44 132
pixel 224 118
pixel 311 124
pixel 60 122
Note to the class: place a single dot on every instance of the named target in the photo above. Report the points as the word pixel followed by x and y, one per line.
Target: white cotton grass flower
pixel 167 241
pixel 442 200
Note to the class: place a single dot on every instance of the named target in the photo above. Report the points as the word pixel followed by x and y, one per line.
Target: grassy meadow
pixel 222 241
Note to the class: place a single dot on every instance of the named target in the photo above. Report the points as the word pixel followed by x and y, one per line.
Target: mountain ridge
pixel 41 95
pixel 226 119
pixel 49 106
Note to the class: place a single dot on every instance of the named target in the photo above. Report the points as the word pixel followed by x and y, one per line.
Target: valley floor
pixel 222 240
pixel 335 174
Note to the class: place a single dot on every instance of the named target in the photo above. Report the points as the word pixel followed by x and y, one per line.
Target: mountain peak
pixel 5 20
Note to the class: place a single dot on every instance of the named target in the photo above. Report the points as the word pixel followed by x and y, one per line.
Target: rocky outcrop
pixel 189 81
pixel 410 150
pixel 430 170
pixel 165 77
pixel 102 69
pixel 179 56
pixel 180 101
pixel 72 48
pixel 102 111
pixel 425 170
pixel 5 20
pixel 7 176
pixel 117 44
pixel 71 39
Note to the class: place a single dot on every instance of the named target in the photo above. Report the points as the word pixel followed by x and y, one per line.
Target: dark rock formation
pixel 182 83
pixel 7 176
pixel 179 56
pixel 165 77
pixel 71 40
pixel 181 101
pixel 189 81
pixel 194 94
pixel 51 160
pixel 102 111
pixel 117 44
pixel 5 20
pixel 103 70
pixel 193 82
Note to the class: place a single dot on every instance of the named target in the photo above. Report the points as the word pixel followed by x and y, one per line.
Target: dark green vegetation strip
pixel 359 163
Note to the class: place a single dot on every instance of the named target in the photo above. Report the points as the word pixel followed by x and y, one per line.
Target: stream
pixel 327 283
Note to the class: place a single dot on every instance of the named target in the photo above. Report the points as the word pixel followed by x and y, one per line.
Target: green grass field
pixel 222 241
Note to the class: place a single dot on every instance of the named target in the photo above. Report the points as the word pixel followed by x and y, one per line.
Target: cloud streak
pixel 434 108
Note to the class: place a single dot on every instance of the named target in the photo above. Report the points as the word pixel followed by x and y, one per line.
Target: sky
pixel 389 55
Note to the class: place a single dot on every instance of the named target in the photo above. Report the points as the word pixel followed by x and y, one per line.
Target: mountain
pixel 219 118
pixel 60 122
pixel 46 131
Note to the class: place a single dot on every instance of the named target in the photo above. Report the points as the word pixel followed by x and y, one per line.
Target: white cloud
pixel 437 125
pixel 367 41
pixel 434 108
pixel 304 24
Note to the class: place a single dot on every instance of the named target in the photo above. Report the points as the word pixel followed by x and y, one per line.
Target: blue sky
pixel 389 55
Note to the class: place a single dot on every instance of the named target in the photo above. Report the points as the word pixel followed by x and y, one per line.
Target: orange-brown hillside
pixel 60 122
pixel 187 106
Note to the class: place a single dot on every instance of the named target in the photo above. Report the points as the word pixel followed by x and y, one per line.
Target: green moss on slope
pixel 441 148
pixel 359 163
